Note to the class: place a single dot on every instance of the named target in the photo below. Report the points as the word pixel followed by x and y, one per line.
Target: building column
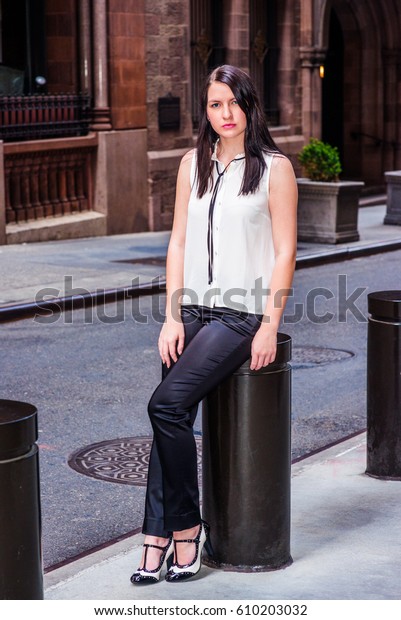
pixel 101 109
pixel 312 58
pixel 2 198
pixel 236 33
pixel 392 109
pixel 85 56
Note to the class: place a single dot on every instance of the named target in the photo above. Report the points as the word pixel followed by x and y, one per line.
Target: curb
pixel 341 254
pixel 14 312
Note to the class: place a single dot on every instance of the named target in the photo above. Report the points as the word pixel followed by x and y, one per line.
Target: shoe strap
pixel 195 540
pixel 155 546
pixel 146 547
pixel 188 540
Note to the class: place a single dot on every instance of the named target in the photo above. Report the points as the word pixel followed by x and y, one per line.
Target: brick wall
pixel 127 82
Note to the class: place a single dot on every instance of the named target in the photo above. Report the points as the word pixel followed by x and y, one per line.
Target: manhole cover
pixel 307 357
pixel 126 460
pixel 119 460
pixel 146 260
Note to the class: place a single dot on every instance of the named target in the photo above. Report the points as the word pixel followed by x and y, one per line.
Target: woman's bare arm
pixel 171 340
pixel 283 200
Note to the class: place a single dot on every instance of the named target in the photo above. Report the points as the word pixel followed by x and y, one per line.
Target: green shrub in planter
pixel 320 160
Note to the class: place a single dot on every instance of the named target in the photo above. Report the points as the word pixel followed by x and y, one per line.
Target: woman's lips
pixel 228 125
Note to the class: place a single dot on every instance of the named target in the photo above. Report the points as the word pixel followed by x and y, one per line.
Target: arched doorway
pixel 342 87
pixel 362 40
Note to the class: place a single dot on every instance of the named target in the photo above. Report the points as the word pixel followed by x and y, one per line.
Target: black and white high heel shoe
pixel 180 572
pixel 145 576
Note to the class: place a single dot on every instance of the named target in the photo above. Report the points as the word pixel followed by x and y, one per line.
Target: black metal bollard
pixel 247 466
pixel 21 575
pixel 384 385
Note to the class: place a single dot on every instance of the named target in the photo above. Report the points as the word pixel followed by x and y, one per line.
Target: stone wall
pixel 120 180
pixel 162 169
pixel 168 71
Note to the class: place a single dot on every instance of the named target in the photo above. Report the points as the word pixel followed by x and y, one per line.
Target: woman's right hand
pixel 171 341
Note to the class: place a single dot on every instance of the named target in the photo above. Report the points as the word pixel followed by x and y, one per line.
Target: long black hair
pixel 257 136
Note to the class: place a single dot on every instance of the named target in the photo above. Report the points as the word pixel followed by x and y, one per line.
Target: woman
pixel 233 237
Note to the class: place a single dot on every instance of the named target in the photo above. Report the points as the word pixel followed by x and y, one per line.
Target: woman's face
pixel 223 111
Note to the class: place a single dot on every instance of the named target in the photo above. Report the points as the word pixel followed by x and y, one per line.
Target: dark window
pixel 264 55
pixel 22 41
pixel 207 50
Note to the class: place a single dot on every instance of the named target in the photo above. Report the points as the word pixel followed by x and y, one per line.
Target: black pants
pixel 217 342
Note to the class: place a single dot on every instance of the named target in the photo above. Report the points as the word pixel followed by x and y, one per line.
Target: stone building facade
pixel 73 156
pixel 324 68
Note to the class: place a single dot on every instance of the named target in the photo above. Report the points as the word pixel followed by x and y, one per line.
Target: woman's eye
pixel 214 105
pixel 235 101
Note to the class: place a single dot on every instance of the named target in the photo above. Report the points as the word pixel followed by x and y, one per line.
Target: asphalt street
pixel 90 374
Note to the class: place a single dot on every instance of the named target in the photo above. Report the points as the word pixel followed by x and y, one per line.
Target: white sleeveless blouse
pixel 242 243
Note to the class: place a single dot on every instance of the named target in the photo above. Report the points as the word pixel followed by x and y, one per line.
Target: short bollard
pixel 21 575
pixel 247 466
pixel 384 385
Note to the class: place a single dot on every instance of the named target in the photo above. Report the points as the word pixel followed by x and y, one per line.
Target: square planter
pixel 328 212
pixel 393 211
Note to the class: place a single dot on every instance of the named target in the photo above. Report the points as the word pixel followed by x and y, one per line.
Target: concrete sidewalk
pixel 59 268
pixel 346 533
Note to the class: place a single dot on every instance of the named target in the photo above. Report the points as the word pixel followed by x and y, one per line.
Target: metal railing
pixel 34 117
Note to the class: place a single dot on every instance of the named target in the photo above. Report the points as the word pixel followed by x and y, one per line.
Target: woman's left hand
pixel 264 346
